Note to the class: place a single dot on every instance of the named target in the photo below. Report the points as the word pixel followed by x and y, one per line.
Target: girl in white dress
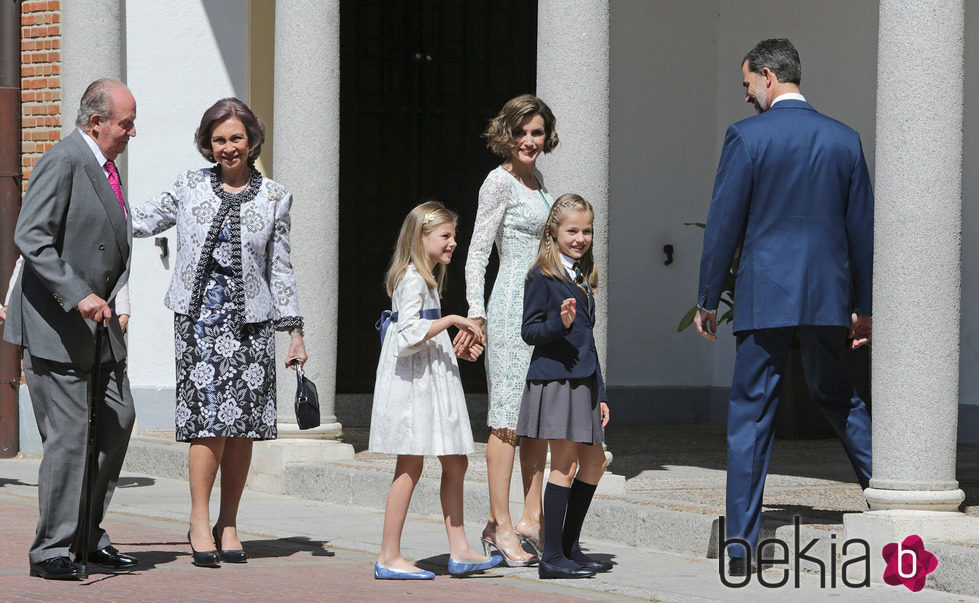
pixel 419 405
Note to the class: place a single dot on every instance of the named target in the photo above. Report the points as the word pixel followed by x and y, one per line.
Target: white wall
pixel 182 55
pixel 676 85
pixel 663 154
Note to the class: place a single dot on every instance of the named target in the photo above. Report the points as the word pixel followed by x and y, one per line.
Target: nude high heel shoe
pixel 510 558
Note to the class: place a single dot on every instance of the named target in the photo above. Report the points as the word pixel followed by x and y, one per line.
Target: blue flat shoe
pixel 466 567
pixel 387 573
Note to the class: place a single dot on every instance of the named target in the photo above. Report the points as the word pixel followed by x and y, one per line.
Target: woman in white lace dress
pixel 513 206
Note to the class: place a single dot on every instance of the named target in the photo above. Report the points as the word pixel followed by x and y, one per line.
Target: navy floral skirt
pixel 225 378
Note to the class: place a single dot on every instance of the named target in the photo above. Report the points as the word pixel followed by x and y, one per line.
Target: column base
pixel 326 431
pixel 880 528
pixel 269 459
pixel 921 500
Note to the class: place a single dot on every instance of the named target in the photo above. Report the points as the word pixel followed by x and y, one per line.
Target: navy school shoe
pixel 387 573
pixel 461 568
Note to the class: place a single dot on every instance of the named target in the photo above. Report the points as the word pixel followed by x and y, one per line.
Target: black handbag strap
pixel 300 378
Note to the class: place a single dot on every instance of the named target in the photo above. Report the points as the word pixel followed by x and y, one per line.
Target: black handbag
pixel 307 401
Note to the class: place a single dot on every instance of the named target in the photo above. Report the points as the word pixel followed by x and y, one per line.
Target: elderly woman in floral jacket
pixel 232 287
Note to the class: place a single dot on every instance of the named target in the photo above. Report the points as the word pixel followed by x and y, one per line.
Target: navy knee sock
pixel 555 506
pixel 579 500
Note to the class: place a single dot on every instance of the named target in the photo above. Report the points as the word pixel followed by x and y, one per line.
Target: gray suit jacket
pixel 75 241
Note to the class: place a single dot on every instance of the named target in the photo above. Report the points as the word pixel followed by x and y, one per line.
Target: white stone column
pixel 306 158
pixel 93 42
pixel 573 79
pixel 917 263
pixel 306 152
pixel 916 280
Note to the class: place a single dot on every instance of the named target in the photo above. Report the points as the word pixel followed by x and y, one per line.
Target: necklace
pixel 544 199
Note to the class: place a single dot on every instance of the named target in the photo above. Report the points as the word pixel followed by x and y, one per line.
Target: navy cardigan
pixel 559 353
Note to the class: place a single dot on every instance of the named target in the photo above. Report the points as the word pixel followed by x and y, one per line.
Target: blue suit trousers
pixel 755 393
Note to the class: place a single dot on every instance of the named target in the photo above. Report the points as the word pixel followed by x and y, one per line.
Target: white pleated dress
pixel 419 404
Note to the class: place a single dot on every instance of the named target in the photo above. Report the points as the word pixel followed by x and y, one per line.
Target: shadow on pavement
pixel 14 482
pixel 284 547
pixel 135 482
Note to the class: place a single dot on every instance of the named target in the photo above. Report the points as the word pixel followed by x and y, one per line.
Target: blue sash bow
pixel 387 317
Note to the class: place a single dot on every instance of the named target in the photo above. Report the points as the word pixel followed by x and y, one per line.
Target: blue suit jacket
pixel 559 353
pixel 794 184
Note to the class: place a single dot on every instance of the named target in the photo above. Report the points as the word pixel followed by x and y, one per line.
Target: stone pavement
pixel 307 550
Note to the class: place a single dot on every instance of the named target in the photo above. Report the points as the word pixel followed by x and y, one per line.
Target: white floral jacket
pixel 259 215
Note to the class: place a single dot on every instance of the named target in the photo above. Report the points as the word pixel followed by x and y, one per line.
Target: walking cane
pixel 91 458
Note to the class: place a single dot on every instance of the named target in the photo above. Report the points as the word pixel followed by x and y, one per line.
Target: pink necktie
pixel 115 184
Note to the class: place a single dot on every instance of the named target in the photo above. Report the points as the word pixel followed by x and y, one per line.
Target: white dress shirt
pixel 787 96
pixel 99 156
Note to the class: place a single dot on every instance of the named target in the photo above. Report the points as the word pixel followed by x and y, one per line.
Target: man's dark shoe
pixel 111 558
pixel 55 568
pixel 737 566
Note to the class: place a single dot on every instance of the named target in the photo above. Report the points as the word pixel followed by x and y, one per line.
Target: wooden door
pixel 419 80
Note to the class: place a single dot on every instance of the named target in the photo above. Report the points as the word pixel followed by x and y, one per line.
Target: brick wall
pixel 40 71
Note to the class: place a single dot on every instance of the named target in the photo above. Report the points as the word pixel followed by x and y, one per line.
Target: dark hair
pixel 499 134
pixel 779 55
pixel 221 111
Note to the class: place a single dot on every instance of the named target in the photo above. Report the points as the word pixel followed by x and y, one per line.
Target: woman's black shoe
pixel 204 558
pixel 236 556
pixel 546 570
pixel 595 565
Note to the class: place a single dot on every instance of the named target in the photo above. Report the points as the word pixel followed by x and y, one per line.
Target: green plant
pixel 727 292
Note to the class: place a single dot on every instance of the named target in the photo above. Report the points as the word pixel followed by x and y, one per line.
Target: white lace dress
pixel 419 405
pixel 512 216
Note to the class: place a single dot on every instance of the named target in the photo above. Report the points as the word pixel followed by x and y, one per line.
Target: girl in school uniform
pixel 419 406
pixel 564 399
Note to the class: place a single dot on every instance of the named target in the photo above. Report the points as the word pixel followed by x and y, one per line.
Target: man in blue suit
pixel 793 188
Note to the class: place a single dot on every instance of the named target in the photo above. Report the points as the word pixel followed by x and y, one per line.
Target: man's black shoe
pixel 546 570
pixel 111 558
pixel 737 566
pixel 55 568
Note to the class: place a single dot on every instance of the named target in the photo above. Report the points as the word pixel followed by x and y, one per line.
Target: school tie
pixel 579 278
pixel 115 184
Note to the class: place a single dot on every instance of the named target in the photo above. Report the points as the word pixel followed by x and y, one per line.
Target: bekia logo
pixel 908 563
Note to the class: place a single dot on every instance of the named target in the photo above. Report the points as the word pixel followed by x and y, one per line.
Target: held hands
pixel 706 323
pixel 297 351
pixel 605 415
pixel 861 330
pixel 95 308
pixel 568 312
pixel 470 341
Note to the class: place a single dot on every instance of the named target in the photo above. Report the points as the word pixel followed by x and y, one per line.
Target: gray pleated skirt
pixel 567 409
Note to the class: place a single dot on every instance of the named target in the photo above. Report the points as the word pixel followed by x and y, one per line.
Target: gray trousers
pixel 59 394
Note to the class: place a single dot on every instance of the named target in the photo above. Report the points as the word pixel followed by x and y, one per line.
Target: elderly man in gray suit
pixel 75 238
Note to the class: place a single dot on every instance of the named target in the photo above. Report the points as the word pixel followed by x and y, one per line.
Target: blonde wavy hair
pixel 548 254
pixel 499 134
pixel 410 249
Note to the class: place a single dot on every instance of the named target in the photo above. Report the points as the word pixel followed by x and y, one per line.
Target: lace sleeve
pixel 493 197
